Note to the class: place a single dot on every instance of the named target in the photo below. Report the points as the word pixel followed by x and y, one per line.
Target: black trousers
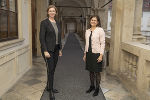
pixel 51 66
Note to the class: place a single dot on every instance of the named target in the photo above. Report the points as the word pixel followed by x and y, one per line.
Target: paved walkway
pixel 71 79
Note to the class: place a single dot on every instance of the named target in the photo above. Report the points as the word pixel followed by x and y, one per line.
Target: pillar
pixel 30 30
pixel 137 36
pixel 117 12
pixel 41 15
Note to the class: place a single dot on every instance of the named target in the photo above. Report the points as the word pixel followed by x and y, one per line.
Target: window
pixel 146 5
pixel 8 20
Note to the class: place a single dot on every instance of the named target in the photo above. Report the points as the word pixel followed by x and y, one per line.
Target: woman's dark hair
pixel 98 19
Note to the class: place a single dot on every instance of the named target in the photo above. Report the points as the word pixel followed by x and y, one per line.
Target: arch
pixel 75 3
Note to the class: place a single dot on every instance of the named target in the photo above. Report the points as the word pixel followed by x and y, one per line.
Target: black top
pixel 90 46
pixel 48 36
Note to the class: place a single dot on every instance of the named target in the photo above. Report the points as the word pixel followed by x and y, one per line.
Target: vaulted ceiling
pixel 74 7
pixel 74 2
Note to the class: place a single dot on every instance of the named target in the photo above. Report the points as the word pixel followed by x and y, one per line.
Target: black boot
pixel 90 89
pixel 96 92
pixel 54 90
pixel 51 95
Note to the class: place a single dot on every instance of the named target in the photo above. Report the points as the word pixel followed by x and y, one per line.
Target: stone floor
pixel 71 78
pixel 32 84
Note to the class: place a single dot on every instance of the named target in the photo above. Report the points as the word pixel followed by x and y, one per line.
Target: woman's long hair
pixel 98 19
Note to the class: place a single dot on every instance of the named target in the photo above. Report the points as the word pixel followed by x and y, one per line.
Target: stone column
pixel 87 21
pixel 103 13
pixel 20 33
pixel 79 27
pixel 128 20
pixel 117 12
pixel 122 30
pixel 41 15
pixel 137 36
pixel 30 30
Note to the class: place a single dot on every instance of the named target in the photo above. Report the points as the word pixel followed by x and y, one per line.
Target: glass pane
pixel 12 25
pixel 3 4
pixel 146 5
pixel 3 24
pixel 12 5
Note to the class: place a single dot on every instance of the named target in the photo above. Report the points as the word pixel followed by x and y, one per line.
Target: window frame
pixel 8 12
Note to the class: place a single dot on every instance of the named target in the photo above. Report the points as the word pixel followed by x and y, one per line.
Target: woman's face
pixel 94 22
pixel 52 12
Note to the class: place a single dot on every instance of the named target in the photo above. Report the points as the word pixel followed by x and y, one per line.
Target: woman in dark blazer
pixel 50 39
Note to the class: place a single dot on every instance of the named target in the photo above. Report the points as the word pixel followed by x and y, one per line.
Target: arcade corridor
pixel 126 24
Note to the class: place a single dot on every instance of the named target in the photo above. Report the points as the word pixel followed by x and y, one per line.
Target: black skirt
pixel 91 62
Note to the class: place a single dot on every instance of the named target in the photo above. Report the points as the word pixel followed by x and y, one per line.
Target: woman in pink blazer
pixel 93 54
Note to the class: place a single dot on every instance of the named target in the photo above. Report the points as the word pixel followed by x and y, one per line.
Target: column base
pixel 139 38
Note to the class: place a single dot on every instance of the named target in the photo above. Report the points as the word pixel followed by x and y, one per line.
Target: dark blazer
pixel 48 36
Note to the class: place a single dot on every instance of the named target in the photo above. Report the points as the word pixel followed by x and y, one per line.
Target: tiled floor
pixel 32 85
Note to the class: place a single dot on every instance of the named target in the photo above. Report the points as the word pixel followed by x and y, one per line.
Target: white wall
pixel 15 54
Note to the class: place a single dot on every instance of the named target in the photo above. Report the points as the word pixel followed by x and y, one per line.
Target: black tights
pixel 95 76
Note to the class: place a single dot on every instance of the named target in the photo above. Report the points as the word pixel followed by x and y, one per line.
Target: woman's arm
pixel 42 39
pixel 102 45
pixel 84 57
pixel 102 41
pixel 42 36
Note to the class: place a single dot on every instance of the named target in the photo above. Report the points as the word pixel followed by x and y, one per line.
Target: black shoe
pixel 55 91
pixel 51 95
pixel 90 89
pixel 96 92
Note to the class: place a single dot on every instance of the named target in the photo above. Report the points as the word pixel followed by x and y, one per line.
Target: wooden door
pixel 34 30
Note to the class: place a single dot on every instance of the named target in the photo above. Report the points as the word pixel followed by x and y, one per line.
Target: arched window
pixel 8 20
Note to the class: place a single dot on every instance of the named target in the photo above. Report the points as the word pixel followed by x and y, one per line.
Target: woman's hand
pixel 100 58
pixel 47 55
pixel 84 57
pixel 60 53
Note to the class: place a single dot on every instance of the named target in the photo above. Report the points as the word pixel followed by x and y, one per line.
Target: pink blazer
pixel 97 40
